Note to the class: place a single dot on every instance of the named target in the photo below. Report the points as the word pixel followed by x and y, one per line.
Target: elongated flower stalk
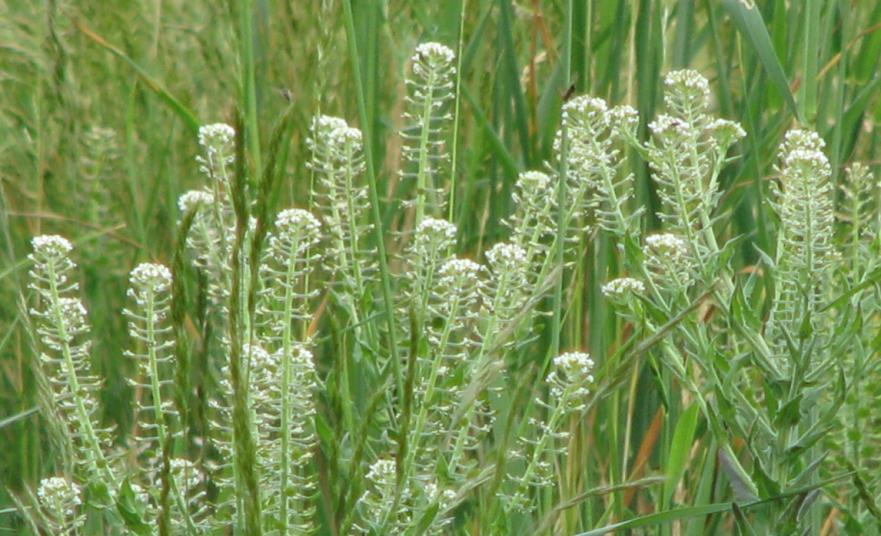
pixel 857 439
pixel 508 288
pixel 805 253
pixel 506 295
pixel 61 503
pixel 857 214
pixel 441 381
pixel 533 222
pixel 204 242
pixel 569 382
pixel 429 89
pixel 342 201
pixel 686 154
pixel 212 240
pixel 148 326
pixel 596 181
pixel 284 380
pixel 431 244
pixel 62 327
pixel 338 163
pixel 189 509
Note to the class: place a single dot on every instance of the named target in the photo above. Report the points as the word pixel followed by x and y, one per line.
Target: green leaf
pixel 680 447
pixel 749 22
pixel 790 413
pixel 865 495
pixel 131 510
pixel 743 486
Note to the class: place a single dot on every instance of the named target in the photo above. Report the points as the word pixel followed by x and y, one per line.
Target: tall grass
pixel 525 281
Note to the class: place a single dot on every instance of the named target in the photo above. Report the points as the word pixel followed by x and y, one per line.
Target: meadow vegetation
pixel 465 267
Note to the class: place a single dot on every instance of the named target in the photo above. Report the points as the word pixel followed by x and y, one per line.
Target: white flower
pixel 217 135
pixel 346 134
pixel 328 123
pixel 292 221
pixel 157 277
pixel 382 472
pixel 506 254
pixel 56 491
pixel 533 182
pixel 51 246
pixel 801 139
pixel 665 125
pixel 194 198
pixel 437 228
pixel 811 159
pixel 588 108
pixel 570 378
pixel 578 363
pixel 687 87
pixel 460 268
pixel 621 287
pixel 665 244
pixel 434 54
pixel 624 119
pixel 726 131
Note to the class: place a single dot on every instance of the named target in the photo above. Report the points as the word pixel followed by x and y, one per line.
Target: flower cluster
pixel 686 154
pixel 569 381
pixel 218 151
pixel 60 500
pixel 570 378
pixel 596 180
pixel 669 262
pixel 63 329
pixel 338 162
pixel 148 327
pixel 429 90
pixel 804 200
pixel 622 288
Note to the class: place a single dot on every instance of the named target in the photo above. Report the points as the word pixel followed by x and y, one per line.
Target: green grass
pixel 154 71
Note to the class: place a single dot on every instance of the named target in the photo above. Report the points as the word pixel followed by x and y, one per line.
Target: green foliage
pixel 385 329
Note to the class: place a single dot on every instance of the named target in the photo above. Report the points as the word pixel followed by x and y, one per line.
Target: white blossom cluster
pixel 622 288
pixel 61 501
pixel 218 151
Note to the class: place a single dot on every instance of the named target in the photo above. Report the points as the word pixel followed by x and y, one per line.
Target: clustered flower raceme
pixel 595 134
pixel 686 154
pixel 669 262
pixel 804 200
pixel 533 220
pixel 62 327
pixel 194 199
pixel 569 384
pixel 148 327
pixel 342 199
pixel 377 502
pixel 217 141
pixel 429 89
pixel 60 500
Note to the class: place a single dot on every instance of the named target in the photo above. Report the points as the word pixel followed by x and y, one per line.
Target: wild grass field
pixel 456 267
